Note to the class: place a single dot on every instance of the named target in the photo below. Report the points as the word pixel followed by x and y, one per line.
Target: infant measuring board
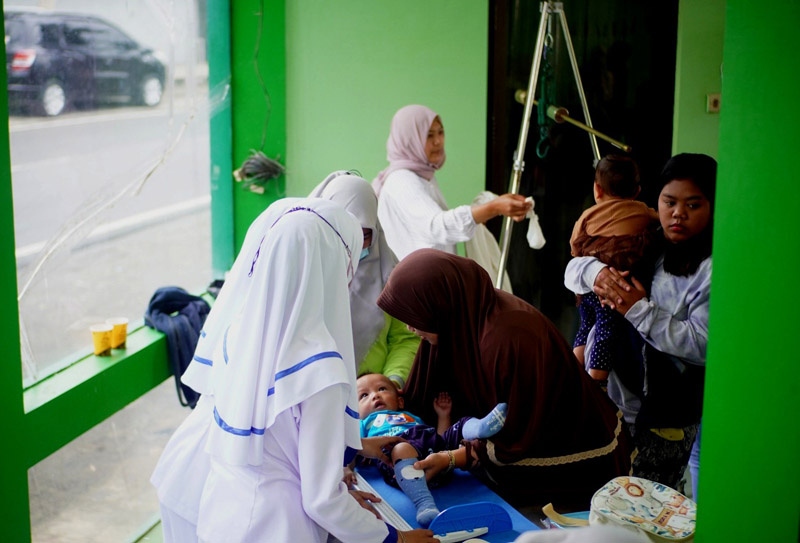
pixel 468 509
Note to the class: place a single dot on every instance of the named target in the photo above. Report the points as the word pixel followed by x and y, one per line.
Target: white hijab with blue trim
pixel 278 332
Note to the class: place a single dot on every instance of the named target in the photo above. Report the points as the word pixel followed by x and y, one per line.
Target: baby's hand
pixel 443 404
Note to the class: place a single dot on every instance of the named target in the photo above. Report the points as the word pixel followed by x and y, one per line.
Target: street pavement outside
pixel 96 489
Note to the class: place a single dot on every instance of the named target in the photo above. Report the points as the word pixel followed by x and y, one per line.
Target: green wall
pixel 352 63
pixel 258 102
pixel 750 462
pixel 701 24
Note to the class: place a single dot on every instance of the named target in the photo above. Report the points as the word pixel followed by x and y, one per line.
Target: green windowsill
pixel 151 532
pixel 88 367
pixel 69 402
pixel 62 406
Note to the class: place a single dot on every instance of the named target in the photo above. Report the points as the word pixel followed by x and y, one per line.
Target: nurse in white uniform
pixel 261 457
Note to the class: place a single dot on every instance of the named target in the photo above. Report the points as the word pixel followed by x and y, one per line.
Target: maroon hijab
pixel 492 348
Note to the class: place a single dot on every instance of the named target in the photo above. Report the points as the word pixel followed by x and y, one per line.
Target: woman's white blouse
pixel 414 215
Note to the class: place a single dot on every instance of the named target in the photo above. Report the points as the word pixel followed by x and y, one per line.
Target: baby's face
pixel 376 393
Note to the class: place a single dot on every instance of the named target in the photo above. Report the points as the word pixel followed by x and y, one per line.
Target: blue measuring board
pixel 462 489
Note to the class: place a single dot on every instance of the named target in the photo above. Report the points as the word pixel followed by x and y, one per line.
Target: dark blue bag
pixel 180 316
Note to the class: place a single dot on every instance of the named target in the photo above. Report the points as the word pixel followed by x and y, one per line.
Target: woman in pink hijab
pixel 411 206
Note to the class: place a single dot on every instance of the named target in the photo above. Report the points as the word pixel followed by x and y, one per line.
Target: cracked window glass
pixel 108 120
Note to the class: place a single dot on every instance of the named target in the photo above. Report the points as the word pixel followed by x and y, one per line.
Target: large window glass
pixel 109 149
pixel 96 489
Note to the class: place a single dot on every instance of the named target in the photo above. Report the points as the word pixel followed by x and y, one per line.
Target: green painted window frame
pixel 52 412
pixel 47 415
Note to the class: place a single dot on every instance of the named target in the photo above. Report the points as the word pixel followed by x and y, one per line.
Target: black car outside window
pixel 118 38
pixel 50 36
pixel 77 34
pixel 20 34
pixel 101 37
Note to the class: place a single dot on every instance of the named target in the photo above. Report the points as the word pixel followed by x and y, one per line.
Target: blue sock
pixel 488 425
pixel 412 482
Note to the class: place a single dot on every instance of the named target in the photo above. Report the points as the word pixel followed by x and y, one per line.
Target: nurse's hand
pixel 349 477
pixel 364 499
pixel 416 536
pixel 373 447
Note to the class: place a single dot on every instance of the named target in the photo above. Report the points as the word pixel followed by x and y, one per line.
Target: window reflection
pixel 109 151
pixel 61 61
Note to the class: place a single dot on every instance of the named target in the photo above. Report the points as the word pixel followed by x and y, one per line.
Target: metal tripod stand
pixel 548 9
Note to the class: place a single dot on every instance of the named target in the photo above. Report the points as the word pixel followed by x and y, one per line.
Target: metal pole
pixel 561 115
pixel 616 143
pixel 573 61
pixel 519 154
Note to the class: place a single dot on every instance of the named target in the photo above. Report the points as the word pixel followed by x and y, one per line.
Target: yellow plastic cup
pixel 101 336
pixel 119 332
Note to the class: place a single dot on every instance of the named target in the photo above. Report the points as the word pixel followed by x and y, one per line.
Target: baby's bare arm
pixel 443 404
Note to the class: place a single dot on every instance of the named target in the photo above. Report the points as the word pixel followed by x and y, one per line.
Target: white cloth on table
pixel 414 215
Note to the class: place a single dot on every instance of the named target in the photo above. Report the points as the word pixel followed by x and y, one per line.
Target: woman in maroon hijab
pixel 563 437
